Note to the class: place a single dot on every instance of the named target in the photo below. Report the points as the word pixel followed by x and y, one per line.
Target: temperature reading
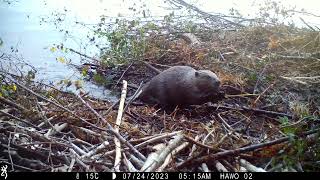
pixel 92 176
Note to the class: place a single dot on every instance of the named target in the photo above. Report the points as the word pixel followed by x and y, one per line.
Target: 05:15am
pixel 194 176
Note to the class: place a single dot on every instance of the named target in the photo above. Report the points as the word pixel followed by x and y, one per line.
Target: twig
pixel 73 160
pixel 118 123
pixel 103 145
pixel 199 144
pixel 79 150
pixel 151 67
pixel 111 129
pixel 155 139
pixel 293 79
pixel 162 136
pixel 133 97
pixel 84 55
pixel 223 138
pixel 55 129
pixel 307 24
pixel 205 14
pixel 224 122
pixel 259 78
pixel 240 95
pixel 194 147
pixel 255 101
pixel 78 159
pixel 9 151
pixel 124 72
pixel 95 112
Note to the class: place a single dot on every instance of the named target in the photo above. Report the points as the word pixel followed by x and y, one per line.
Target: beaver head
pixel 207 81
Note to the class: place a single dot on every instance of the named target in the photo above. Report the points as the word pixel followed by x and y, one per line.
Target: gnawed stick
pixel 220 167
pixel 117 160
pixel 171 155
pixel 158 161
pixel 129 165
pixel 155 139
pixel 204 167
pixel 94 151
pixel 250 167
pixel 194 147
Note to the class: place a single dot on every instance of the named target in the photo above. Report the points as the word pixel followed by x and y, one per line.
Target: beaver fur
pixel 180 86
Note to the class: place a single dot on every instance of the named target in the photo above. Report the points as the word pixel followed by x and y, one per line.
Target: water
pixel 20 28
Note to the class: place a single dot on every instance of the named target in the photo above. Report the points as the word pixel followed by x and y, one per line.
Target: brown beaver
pixel 182 86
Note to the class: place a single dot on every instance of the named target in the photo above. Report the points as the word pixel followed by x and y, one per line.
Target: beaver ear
pixel 196 73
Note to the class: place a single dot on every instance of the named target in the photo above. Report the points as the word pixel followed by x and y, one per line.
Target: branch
pixel 253 109
pixel 205 14
pixel 118 123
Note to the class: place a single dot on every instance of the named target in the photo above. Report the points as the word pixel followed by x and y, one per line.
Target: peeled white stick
pixel 205 167
pixel 158 161
pixel 94 151
pixel 151 159
pixel 171 155
pixel 220 167
pixel 56 128
pixel 129 165
pixel 117 160
pixel 250 167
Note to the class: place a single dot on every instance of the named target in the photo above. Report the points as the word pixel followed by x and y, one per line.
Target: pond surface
pixel 20 28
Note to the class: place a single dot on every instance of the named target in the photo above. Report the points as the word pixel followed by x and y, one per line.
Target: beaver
pixel 180 86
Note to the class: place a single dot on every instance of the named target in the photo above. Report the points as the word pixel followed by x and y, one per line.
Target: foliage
pixel 7 89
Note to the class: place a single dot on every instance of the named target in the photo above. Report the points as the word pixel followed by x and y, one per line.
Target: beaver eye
pixel 196 73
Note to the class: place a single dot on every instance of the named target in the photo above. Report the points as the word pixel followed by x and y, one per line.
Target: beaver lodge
pixel 266 120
